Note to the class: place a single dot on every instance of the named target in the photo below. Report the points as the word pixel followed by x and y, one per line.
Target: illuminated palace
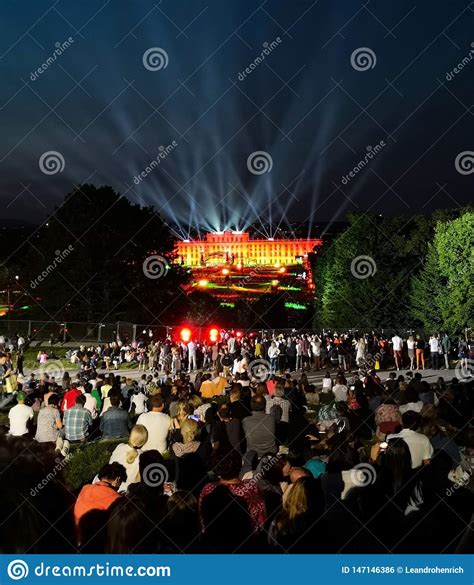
pixel 237 248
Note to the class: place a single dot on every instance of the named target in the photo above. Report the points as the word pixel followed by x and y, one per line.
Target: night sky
pixel 310 105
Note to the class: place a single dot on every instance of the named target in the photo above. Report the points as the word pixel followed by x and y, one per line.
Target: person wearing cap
pixel 19 416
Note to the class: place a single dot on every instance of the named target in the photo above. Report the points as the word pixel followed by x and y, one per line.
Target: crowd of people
pixel 230 458
pixel 285 352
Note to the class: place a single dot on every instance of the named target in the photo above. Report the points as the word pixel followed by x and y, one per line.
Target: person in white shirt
pixel 316 351
pixel 91 403
pixel 421 450
pixel 397 345
pixel 156 423
pixel 327 382
pixel 411 345
pixel 138 401
pixel 340 390
pixel 273 353
pixel 191 356
pixel 19 416
pixel 434 350
pixel 127 454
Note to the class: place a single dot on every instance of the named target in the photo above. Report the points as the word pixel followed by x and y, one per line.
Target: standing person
pixel 20 359
pixel 411 351
pixel 273 353
pixel 316 350
pixel 299 355
pixel 20 416
pixel 420 353
pixel 397 345
pixel 156 423
pixel 434 351
pixel 360 351
pixel 445 347
pixel 192 356
pixel 291 351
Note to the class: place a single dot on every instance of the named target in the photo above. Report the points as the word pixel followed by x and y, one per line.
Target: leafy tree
pixel 442 295
pixel 362 277
pixel 115 251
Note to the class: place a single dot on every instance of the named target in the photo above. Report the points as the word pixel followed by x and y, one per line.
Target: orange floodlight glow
pixel 225 271
pixel 214 334
pixel 185 334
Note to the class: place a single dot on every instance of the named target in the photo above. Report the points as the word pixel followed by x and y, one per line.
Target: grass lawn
pixel 62 363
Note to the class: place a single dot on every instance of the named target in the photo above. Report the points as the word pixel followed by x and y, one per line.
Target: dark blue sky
pixel 304 104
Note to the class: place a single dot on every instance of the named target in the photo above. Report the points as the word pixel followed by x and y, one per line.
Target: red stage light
pixel 214 334
pixel 185 334
pixel 238 333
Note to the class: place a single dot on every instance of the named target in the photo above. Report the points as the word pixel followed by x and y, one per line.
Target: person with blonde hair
pixel 189 443
pixel 295 526
pixel 183 410
pixel 127 454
